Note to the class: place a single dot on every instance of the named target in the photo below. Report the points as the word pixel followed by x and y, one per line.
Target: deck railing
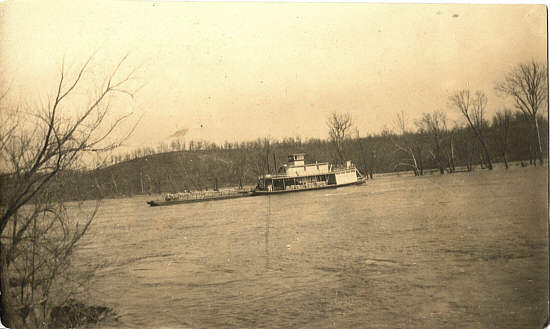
pixel 306 186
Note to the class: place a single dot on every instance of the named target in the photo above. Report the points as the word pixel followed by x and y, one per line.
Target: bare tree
pixel 527 84
pixel 37 148
pixel 501 123
pixel 400 122
pixel 408 144
pixel 339 125
pixel 473 109
pixel 435 125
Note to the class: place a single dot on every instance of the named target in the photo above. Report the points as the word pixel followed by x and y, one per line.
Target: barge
pixel 296 176
pixel 180 198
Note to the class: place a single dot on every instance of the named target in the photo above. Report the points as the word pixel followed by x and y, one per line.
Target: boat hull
pixel 261 192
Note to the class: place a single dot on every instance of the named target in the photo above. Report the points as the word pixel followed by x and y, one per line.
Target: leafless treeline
pixel 425 143
pixel 430 141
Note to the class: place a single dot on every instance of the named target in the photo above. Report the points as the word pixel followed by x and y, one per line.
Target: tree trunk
pixel 505 161
pixel 480 137
pixel 114 183
pixel 420 162
pixel 470 158
pixel 439 158
pixel 340 150
pixel 415 163
pixel 452 155
pixel 9 315
pixel 487 155
pixel 539 146
pixel 4 308
pixel 141 180
pixel 533 153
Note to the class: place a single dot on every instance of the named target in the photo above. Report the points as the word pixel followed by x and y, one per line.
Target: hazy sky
pixel 248 70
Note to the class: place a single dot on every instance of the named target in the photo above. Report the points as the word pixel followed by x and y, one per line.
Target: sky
pixel 242 71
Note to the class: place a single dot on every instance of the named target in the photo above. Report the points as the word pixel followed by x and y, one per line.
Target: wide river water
pixel 467 250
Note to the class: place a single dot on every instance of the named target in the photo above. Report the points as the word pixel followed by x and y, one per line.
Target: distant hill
pixel 194 170
pixel 171 172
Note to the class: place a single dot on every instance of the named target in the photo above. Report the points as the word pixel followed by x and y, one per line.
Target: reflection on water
pixel 461 250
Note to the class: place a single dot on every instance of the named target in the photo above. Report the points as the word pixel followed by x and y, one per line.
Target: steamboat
pixel 296 176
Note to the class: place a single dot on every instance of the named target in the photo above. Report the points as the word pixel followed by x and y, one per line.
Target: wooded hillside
pixel 197 165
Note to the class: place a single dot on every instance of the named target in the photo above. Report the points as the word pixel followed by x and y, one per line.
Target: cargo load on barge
pixel 192 197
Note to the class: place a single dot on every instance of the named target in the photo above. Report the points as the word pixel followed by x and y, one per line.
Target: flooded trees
pixel 527 85
pixel 409 144
pixel 473 110
pixel 451 134
pixel 363 155
pixel 339 125
pixel 464 146
pixel 38 147
pixel 501 125
pixel 435 125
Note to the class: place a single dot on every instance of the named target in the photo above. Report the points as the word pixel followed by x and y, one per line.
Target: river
pixel 466 250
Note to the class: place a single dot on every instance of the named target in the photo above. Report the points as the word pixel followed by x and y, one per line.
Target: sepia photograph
pixel 171 164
